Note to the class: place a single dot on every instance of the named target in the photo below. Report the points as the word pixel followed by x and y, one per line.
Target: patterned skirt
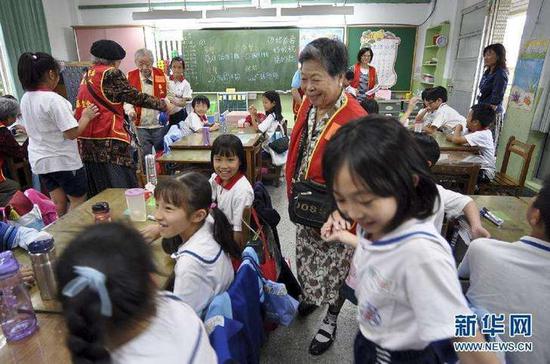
pixel 322 267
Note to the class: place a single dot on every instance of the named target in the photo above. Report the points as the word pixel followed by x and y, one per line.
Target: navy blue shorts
pixel 73 183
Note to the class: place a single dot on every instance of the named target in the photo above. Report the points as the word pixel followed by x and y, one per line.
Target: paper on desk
pixel 245 138
pixel 443 157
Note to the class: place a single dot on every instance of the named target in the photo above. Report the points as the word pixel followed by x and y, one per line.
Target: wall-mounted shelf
pixel 433 59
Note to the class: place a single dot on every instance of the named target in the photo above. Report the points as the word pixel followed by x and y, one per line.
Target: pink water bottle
pixel 17 316
pixel 206 135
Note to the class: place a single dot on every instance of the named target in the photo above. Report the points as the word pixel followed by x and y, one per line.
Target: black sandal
pixel 316 347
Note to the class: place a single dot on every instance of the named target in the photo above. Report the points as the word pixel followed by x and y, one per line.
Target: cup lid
pixel 134 192
pixel 100 207
pixel 41 246
pixel 8 263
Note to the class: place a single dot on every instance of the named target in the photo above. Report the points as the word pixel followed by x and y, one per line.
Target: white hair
pixel 107 62
pixel 143 52
pixel 9 108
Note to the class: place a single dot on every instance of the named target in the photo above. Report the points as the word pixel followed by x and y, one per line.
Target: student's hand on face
pixel 90 112
pixel 479 232
pixel 27 275
pixel 151 233
pixel 252 110
pixel 413 101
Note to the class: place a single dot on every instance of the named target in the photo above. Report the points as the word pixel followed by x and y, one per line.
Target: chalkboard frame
pixel 352 52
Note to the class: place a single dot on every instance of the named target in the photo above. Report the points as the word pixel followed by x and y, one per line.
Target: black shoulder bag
pixel 309 204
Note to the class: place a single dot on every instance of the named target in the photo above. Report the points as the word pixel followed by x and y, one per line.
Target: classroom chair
pixel 460 178
pixel 274 173
pixel 504 183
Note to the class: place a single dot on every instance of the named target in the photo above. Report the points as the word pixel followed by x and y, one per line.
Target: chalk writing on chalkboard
pixel 384 45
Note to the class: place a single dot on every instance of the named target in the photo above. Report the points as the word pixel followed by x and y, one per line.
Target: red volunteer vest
pixel 350 110
pixel 106 125
pixel 159 86
pixel 357 77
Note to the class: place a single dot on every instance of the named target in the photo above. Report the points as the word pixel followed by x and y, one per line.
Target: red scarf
pixel 179 79
pixel 232 181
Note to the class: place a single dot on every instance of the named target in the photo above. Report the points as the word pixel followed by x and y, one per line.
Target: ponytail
pixel 32 67
pixel 86 337
pixel 223 234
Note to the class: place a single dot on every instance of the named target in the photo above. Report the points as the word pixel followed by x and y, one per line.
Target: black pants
pixel 367 352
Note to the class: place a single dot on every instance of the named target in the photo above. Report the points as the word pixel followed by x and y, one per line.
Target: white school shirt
pixel 203 270
pixel 179 89
pixel 407 287
pixel 46 115
pixel 486 158
pixel 194 122
pixel 268 126
pixel 175 335
pixel 512 278
pixel 450 203
pixel 233 198
pixel 428 117
pixel 447 118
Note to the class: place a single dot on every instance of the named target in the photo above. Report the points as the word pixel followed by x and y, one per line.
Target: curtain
pixel 24 28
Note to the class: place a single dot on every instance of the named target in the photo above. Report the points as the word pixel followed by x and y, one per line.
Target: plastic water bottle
pixel 206 135
pixel 17 316
pixel 223 124
pixel 150 170
pixel 42 254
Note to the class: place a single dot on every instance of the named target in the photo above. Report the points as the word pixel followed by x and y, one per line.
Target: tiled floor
pixel 290 344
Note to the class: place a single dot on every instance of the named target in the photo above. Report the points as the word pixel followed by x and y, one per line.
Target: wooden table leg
pixel 250 165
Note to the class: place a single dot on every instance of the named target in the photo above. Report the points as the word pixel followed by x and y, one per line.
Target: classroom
pixel 271 181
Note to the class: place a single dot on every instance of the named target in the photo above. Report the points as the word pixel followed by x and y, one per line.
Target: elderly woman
pixel 322 267
pixel 365 80
pixel 9 147
pixel 105 145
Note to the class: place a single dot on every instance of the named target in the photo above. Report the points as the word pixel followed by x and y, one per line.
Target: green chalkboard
pixel 394 67
pixel 244 59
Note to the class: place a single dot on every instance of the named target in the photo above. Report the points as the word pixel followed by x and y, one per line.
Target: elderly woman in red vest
pixel 365 80
pixel 152 81
pixel 322 268
pixel 105 145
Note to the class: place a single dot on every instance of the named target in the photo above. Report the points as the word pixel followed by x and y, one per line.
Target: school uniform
pixel 408 293
pixel 509 278
pixel 450 204
pixel 486 158
pixel 46 115
pixel 194 122
pixel 174 335
pixel 446 118
pixel 203 270
pixel 179 88
pixel 268 127
pixel 233 197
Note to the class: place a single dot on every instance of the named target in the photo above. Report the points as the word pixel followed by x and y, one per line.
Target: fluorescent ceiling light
pixel 317 10
pixel 238 12
pixel 166 14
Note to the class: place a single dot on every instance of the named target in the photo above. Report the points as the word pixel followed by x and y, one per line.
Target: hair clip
pixel 34 56
pixel 88 277
pixel 213 205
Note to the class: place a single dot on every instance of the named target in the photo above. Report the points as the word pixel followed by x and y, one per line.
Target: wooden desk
pixel 511 209
pixel 252 148
pixel 446 146
pixel 181 156
pixel 48 344
pixel 69 225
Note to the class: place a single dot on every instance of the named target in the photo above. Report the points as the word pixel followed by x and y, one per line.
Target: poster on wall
pixel 384 45
pixel 309 34
pixel 527 74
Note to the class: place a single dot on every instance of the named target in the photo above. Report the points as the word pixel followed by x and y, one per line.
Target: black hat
pixel 108 49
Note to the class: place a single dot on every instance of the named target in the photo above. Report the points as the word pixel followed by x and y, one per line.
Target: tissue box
pixel 234 116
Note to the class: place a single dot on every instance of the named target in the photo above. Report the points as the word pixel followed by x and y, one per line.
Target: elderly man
pixel 152 81
pixel 105 145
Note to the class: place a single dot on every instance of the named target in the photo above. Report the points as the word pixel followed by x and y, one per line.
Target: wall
pixel 517 122
pixel 60 15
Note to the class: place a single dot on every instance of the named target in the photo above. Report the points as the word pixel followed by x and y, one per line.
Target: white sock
pixel 328 325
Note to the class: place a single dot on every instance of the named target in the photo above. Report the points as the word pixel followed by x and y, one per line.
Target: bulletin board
pixel 393 49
